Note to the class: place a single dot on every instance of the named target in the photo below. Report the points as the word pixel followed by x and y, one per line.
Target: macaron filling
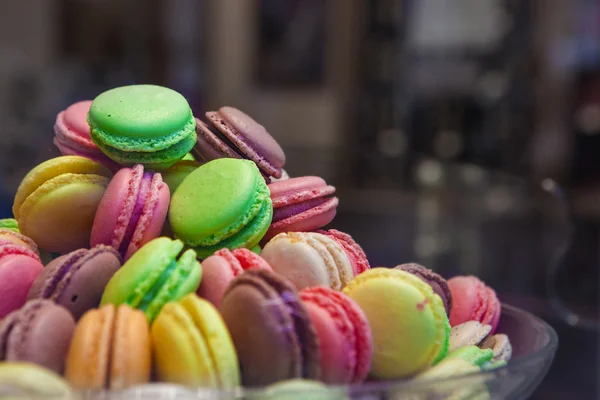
pixel 142 195
pixel 50 287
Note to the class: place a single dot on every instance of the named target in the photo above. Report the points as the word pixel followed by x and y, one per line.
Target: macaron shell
pixel 209 146
pixel 217 272
pixel 74 118
pixel 32 380
pixel 59 214
pixel 80 288
pixel 293 257
pixel 306 221
pixel 355 253
pixel 216 201
pixel 471 300
pixel 437 283
pixel 87 362
pixel 174 175
pixel 336 340
pixel 131 351
pixel 9 223
pixel 17 274
pixel 469 333
pixel 8 236
pixel 409 324
pixel 220 345
pixel 41 335
pixel 339 256
pixel 51 169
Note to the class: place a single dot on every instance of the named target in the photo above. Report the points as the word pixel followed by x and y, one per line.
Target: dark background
pixel 381 98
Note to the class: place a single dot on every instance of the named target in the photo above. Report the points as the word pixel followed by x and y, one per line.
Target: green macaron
pixel 10 224
pixel 154 276
pixel 224 203
pixel 142 124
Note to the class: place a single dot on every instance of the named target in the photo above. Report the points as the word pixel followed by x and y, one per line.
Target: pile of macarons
pixel 164 247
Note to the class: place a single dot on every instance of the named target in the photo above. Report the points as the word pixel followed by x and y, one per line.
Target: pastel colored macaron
pixel 222 267
pixel 142 124
pixel 474 333
pixel 234 134
pixel 473 300
pixel 28 380
pixel 437 283
pixel 344 335
pixel 271 329
pixel 9 236
pixel 301 204
pixel 72 135
pixel 224 203
pixel 192 345
pixel 10 224
pixel 175 174
pixel 301 389
pixel 19 268
pixel 355 253
pixel 111 349
pixel 309 259
pixel 448 368
pixel 408 321
pixel 153 276
pixel 132 211
pixel 77 280
pixel 40 332
pixel 57 201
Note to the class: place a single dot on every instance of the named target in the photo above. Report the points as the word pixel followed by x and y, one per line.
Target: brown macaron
pixel 271 329
pixel 40 332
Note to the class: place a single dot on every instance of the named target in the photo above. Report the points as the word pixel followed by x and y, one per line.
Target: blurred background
pixel 463 134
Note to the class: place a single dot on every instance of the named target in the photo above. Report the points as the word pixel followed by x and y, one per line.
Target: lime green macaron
pixel 9 223
pixel 408 321
pixel 154 276
pixel 142 124
pixel 224 203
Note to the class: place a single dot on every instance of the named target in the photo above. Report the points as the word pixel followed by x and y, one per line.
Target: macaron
pixel 9 236
pixel 301 204
pixel 284 176
pixel 10 224
pixel 474 388
pixel 57 201
pixel 309 259
pixel 77 280
pixel 153 276
pixel 111 349
pixel 344 335
pixel 301 389
pixel 437 283
pixel 192 345
pixel 473 300
pixel 474 333
pixel 223 204
pixel 175 174
pixel 142 124
pixel 19 268
pixel 232 133
pixel 271 329
pixel 408 321
pixel 40 332
pixel 355 253
pixel 72 135
pixel 132 211
pixel 21 380
pixel 222 267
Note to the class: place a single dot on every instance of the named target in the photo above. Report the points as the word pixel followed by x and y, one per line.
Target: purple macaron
pixel 233 134
pixel 40 332
pixel 77 280
pixel 437 282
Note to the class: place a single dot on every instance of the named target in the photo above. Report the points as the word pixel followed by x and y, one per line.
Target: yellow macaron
pixel 192 345
pixel 57 201
pixel 408 321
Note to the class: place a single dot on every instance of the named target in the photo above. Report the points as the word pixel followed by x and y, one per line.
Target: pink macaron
pixel 72 135
pixel 473 300
pixel 132 211
pixel 355 253
pixel 301 204
pixel 219 270
pixel 344 335
pixel 19 267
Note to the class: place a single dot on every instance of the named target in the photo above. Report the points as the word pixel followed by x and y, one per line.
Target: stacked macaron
pixel 155 273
